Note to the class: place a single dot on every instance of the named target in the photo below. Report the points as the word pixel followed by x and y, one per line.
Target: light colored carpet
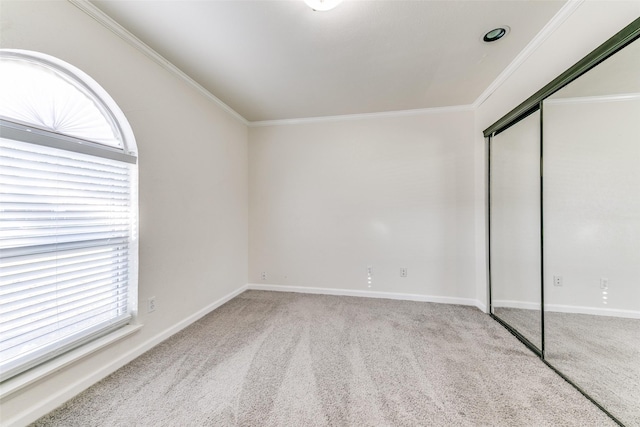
pixel 527 322
pixel 601 354
pixel 284 359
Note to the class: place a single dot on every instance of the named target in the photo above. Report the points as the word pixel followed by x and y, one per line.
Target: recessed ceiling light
pixel 496 34
pixel 322 5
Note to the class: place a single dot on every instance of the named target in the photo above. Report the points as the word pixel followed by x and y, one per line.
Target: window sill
pixel 12 385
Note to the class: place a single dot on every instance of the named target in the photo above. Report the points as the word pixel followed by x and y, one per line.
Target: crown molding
pixel 594 99
pixel 363 116
pixel 558 19
pixel 102 18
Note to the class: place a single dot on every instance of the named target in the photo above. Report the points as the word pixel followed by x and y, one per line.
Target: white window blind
pixel 66 222
pixel 40 95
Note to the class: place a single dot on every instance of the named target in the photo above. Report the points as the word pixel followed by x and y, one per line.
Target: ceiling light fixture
pixel 496 34
pixel 322 5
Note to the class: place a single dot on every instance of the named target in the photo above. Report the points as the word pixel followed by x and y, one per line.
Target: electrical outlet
pixel 557 280
pixel 403 272
pixel 604 283
pixel 263 276
pixel 151 304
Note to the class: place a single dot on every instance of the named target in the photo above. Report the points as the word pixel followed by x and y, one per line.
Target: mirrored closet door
pixel 591 131
pixel 564 224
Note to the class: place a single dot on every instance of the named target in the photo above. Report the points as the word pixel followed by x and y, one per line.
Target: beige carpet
pixel 600 354
pixel 527 322
pixel 284 359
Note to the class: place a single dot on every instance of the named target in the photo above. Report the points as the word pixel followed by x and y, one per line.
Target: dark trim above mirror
pixel 626 36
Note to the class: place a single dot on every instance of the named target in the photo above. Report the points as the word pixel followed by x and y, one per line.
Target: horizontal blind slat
pixel 8 255
pixel 57 271
pixel 61 309
pixel 48 328
pixel 61 261
pixel 46 207
pixel 36 174
pixel 31 216
pixel 59 201
pixel 20 166
pixel 51 292
pixel 63 253
pixel 46 181
pixel 9 225
pixel 24 292
pixel 61 231
pixel 68 238
pixel 34 280
pixel 38 158
pixel 53 188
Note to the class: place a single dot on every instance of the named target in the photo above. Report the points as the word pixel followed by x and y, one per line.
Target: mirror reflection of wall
pixel 515 227
pixel 592 232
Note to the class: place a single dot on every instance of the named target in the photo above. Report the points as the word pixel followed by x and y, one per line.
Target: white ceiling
pixel 271 60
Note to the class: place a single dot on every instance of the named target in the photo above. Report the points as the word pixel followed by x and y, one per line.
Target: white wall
pixel 515 215
pixel 329 198
pixel 592 204
pixel 193 186
pixel 589 26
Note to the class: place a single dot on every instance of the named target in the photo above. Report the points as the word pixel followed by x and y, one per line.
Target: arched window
pixel 68 211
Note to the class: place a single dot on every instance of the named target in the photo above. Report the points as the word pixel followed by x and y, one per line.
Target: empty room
pixel 319 213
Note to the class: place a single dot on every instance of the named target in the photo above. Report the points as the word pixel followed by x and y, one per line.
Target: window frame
pixel 34 134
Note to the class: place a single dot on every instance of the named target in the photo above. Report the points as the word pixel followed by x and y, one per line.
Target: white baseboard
pixel 574 309
pixel 594 311
pixel 367 294
pixel 56 399
pixel 524 305
pixel 481 306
